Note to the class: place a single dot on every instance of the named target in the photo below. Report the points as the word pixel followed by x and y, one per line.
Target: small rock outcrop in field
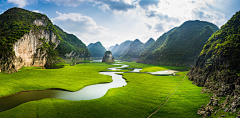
pixel 108 57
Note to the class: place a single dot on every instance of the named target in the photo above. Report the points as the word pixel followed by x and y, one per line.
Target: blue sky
pixel 114 21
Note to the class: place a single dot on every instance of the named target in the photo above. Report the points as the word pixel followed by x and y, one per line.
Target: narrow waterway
pixel 87 93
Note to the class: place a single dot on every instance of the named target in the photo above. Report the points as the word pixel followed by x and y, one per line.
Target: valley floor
pixel 139 98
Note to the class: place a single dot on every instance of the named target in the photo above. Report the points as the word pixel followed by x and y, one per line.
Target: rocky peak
pixel 149 42
pixel 136 40
pixel 108 57
pixel 28 48
pixel 25 44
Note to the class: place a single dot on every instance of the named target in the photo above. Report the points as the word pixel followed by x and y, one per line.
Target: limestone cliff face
pixel 27 49
pixel 30 39
pixel 39 22
pixel 217 69
pixel 108 57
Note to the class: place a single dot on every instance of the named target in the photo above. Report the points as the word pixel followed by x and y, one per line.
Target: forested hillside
pixel 72 44
pixel 218 67
pixel 182 45
pixel 148 52
pixel 96 49
pixel 30 39
pixel 121 49
pixel 135 49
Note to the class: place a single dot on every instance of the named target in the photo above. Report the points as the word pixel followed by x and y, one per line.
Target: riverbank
pixel 70 78
pixel 139 98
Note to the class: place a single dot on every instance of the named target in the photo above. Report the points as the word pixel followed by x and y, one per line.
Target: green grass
pixel 153 68
pixel 71 78
pixel 137 65
pixel 161 68
pixel 85 61
pixel 138 99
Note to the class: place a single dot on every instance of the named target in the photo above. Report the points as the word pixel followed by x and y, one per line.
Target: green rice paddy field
pixel 142 95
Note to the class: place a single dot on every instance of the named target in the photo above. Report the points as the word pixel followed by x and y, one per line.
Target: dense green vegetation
pixel 218 67
pixel 225 41
pixel 149 42
pixel 71 43
pixel 183 45
pixel 96 49
pixel 133 51
pixel 16 22
pixel 148 52
pixel 139 98
pixel 121 49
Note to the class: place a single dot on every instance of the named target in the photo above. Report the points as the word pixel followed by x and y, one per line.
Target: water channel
pixel 87 93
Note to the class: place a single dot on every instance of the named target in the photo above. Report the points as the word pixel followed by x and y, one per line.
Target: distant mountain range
pixel 135 49
pixel 114 49
pixel 179 46
pixel 121 48
pixel 96 49
pixel 111 47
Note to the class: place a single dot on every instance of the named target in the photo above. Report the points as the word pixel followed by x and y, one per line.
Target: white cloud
pixel 68 2
pixel 134 24
pixel 84 27
pixel 175 12
pixel 118 5
pixel 21 3
pixel 134 20
pixel 129 1
pixel 155 19
pixel 104 7
pixel 37 11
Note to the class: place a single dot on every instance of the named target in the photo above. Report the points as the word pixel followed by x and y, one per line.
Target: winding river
pixel 87 93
